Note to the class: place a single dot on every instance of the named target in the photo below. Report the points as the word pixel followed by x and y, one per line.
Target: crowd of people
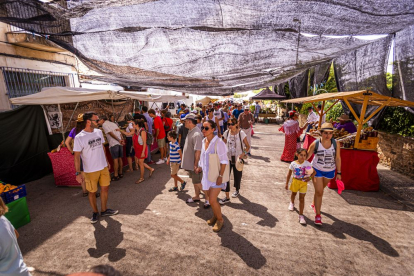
pixel 199 133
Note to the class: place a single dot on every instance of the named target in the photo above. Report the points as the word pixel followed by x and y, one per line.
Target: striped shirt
pixel 174 155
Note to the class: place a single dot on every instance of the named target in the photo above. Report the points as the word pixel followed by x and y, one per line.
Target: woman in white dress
pixel 210 142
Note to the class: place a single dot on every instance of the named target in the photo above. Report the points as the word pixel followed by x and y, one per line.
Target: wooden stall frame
pixel 364 97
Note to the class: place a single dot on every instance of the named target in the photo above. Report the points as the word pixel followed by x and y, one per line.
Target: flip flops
pixel 115 178
pixel 151 172
pixel 140 180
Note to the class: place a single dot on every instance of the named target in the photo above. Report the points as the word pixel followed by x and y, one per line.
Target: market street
pixel 157 233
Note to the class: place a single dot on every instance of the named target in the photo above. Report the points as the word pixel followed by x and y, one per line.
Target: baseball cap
pixel 190 116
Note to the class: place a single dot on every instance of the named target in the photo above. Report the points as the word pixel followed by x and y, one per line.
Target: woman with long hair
pixel 141 150
pixel 130 152
pixel 238 147
pixel 213 144
pixel 292 134
pixel 210 116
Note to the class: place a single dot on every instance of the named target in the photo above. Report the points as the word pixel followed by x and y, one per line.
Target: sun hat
pixel 327 127
pixel 343 117
pixel 80 118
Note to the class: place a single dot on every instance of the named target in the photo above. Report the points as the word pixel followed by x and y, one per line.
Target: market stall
pixel 62 160
pixel 267 94
pixel 359 157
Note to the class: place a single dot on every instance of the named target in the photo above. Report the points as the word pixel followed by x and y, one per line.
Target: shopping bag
pixel 214 167
pixel 340 185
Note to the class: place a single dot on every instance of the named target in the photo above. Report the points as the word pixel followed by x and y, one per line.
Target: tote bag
pixel 214 167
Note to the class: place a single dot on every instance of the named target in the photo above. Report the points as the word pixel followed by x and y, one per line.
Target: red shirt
pixel 167 122
pixel 158 125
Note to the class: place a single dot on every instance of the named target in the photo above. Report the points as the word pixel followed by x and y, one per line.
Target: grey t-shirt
pixel 193 142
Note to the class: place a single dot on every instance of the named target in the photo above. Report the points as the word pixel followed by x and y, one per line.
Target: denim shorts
pixel 117 151
pixel 327 175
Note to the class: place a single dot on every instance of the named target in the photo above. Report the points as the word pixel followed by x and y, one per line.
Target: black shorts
pixel 130 152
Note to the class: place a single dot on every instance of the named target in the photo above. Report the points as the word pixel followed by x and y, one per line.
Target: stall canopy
pixel 210 47
pixel 267 94
pixel 205 100
pixel 62 95
pixel 363 98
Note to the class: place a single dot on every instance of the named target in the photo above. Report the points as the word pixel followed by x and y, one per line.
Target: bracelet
pixel 338 173
pixel 220 175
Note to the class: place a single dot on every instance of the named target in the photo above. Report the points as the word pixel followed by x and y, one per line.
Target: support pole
pixel 325 112
pixel 376 111
pixel 321 114
pixel 352 110
pixel 70 119
pixel 361 120
pixel 61 128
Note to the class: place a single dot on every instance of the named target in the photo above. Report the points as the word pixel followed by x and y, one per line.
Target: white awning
pixel 63 95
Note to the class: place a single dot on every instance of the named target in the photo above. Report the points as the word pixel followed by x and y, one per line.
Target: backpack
pixel 150 138
pixel 333 141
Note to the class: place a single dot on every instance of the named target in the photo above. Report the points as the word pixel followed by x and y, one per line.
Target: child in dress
pixel 302 173
pixel 174 159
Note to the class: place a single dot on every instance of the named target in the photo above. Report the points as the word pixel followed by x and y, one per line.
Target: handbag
pixel 214 167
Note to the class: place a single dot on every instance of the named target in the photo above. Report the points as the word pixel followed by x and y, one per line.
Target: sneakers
pixel 224 200
pixel 109 212
pixel 235 194
pixel 217 227
pixel 159 162
pixel 94 218
pixel 291 206
pixel 313 207
pixel 207 205
pixel 302 220
pixel 183 185
pixel 165 159
pixel 318 220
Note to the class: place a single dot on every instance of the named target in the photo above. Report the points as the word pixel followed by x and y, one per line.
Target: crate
pixel 14 194
pixel 369 144
pixel 18 213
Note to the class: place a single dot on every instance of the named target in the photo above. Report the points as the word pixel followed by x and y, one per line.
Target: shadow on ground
pixel 339 228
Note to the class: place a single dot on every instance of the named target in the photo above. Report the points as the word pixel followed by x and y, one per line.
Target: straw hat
pixel 343 117
pixel 239 164
pixel 327 127
pixel 80 118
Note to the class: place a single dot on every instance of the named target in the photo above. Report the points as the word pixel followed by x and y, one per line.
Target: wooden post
pixel 321 114
pixel 361 120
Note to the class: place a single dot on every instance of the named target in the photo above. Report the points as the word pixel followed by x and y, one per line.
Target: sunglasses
pixel 95 120
pixel 205 128
pixel 232 124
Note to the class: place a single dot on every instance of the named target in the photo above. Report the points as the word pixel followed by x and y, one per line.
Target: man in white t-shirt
pixel 114 137
pixel 218 113
pixel 89 144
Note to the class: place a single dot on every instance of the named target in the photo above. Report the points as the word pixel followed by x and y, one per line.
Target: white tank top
pixel 324 159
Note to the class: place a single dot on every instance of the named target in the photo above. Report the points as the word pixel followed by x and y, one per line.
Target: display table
pixel 306 144
pixel 359 170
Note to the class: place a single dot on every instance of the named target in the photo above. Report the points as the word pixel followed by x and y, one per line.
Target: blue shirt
pixel 150 121
pixel 226 116
pixel 174 154
pixel 237 113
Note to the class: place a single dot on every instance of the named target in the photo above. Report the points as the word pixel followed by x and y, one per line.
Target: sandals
pixel 121 175
pixel 85 194
pixel 151 172
pixel 139 180
pixel 191 200
pixel 173 189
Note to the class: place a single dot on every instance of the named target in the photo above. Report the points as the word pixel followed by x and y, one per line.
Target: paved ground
pixel 157 233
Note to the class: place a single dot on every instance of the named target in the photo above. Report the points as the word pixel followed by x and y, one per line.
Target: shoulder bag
pixel 214 167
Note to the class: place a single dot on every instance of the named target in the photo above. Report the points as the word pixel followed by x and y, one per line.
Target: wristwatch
pixel 220 175
pixel 77 173
pixel 338 172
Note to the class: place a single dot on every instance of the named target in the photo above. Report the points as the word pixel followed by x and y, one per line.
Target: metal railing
pixel 22 82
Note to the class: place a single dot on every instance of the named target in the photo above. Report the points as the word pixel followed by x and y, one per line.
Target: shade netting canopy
pixel 211 47
pixel 63 95
pixel 267 94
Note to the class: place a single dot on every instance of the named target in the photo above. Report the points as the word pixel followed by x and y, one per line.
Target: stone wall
pixel 397 153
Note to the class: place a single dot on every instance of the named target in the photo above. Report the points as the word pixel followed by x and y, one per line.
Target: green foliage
pixel 335 111
pixel 304 109
pixel 397 120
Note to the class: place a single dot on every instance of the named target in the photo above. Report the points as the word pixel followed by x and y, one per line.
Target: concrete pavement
pixel 157 233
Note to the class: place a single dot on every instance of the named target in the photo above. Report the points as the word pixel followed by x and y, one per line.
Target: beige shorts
pixel 92 179
pixel 174 168
pixel 161 142
pixel 195 177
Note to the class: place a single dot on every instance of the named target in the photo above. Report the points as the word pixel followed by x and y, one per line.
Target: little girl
pixel 302 173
